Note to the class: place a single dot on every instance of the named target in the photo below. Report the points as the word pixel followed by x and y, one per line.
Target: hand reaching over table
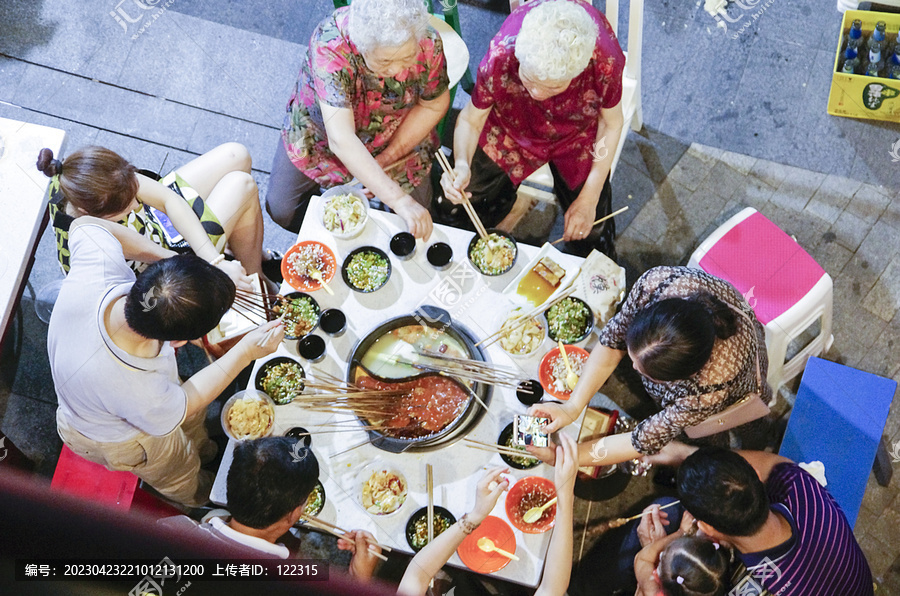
pixel 487 493
pixel 560 415
pixel 417 218
pixel 269 335
pixel 453 190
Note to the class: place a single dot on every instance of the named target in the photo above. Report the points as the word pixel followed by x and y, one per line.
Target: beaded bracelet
pixel 217 260
pixel 465 525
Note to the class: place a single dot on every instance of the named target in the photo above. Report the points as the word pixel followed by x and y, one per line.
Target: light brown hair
pixel 94 179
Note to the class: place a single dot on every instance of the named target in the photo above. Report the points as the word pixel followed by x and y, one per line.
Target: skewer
pixel 497 448
pixel 624 520
pixel 522 319
pixel 429 487
pixel 358 445
pixel 602 219
pixel 470 210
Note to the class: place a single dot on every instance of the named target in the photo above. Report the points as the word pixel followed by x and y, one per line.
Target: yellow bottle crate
pixel 859 96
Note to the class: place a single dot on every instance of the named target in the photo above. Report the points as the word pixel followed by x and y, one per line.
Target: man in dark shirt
pixel 790 532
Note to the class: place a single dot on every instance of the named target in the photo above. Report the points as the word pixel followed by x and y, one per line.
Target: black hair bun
pixel 46 164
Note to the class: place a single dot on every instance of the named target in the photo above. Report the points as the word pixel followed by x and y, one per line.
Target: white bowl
pixel 249 394
pixel 540 321
pixel 370 470
pixel 344 190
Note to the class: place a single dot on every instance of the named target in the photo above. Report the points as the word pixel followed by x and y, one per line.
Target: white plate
pixel 559 258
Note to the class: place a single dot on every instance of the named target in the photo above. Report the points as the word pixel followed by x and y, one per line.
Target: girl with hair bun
pixel 209 200
pixel 698 348
pixel 680 565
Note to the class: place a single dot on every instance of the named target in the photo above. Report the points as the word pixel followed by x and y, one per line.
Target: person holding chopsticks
pixel 699 350
pixel 373 85
pixel 548 91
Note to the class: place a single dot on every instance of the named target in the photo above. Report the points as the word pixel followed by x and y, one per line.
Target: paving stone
pixel 706 154
pixel 741 163
pixel 214 129
pixel 883 299
pixel 881 245
pixel 868 203
pixel 885 531
pixel 831 256
pixel 770 172
pixel 849 230
pixel 851 321
pixel 881 358
pixel 807 230
pixel 891 215
pixel 832 196
pixel 797 189
pixel 722 180
pixel 878 554
pixel 689 172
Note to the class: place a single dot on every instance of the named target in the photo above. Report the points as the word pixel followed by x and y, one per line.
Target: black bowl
pixel 499 233
pixel 588 329
pixel 355 252
pixel 530 392
pixel 261 373
pixel 301 434
pixel 422 514
pixel 504 437
pixel 317 510
pixel 316 307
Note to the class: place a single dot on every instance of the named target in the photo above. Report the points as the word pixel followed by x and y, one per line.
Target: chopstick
pixel 523 318
pixel 602 219
pixel 470 210
pixel 496 448
pixel 624 520
pixel 265 339
pixel 429 487
pixel 335 529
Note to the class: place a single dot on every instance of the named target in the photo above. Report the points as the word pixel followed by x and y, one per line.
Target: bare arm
pixel 343 142
pixel 645 563
pixel 204 386
pixel 415 128
pixel 465 140
pixel 436 553
pixel 558 565
pixel 135 246
pixel 580 214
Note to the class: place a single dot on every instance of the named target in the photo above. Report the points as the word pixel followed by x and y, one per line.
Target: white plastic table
pixel 481 308
pixel 23 204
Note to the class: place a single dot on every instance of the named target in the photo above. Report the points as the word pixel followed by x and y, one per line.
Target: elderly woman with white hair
pixel 548 91
pixel 372 87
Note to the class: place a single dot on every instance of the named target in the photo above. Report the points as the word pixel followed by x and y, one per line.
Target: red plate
pixel 547 365
pixel 476 559
pixel 529 492
pixel 305 284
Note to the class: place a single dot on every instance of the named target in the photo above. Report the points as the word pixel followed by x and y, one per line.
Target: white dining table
pixel 474 301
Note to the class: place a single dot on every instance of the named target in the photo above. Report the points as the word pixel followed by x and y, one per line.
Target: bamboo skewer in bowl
pixel 515 322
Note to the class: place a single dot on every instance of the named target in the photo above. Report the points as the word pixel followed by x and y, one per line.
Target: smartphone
pixel 527 431
pixel 173 237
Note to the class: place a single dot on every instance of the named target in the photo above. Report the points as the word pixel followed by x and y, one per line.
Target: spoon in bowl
pixel 487 545
pixel 316 275
pixel 571 377
pixel 535 513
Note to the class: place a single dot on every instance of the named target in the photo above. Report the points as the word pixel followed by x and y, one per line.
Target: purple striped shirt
pixel 823 557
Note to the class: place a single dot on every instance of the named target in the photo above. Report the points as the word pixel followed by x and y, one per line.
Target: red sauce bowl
pixel 529 492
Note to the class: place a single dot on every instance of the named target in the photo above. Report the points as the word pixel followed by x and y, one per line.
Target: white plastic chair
pixel 539 185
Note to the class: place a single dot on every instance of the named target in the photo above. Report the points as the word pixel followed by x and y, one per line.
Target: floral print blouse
pixel 521 134
pixel 334 72
pixel 727 377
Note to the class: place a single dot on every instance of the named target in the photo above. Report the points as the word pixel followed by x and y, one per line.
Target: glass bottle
pixel 849 61
pixel 895 72
pixel 875 63
pixel 877 35
pixel 853 38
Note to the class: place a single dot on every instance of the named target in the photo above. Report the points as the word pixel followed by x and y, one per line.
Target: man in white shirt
pixel 112 343
pixel 268 485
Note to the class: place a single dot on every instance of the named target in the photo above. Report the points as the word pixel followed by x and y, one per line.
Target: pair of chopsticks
pixel 501 449
pixel 247 302
pixel 448 169
pixel 601 220
pixel 321 524
pixel 522 319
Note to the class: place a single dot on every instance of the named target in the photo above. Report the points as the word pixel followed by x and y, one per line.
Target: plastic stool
pixel 838 419
pixel 93 482
pixel 787 289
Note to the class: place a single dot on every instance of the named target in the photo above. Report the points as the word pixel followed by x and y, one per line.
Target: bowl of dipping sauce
pixel 403 245
pixel 440 255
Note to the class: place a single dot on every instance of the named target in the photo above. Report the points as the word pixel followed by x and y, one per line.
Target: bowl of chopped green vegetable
pixel 366 269
pixel 495 255
pixel 417 526
pixel 281 379
pixel 344 211
pixel 569 320
pixel 300 313
pixel 316 500
pixel 520 463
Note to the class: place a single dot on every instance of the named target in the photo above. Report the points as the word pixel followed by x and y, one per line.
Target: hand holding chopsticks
pixel 599 221
pixel 448 169
pixel 324 526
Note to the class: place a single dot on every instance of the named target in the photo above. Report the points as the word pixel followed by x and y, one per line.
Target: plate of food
pixel 344 211
pixel 383 489
pixel 316 500
pixel 520 463
pixel 495 255
pixel 300 313
pixel 522 340
pixel 485 561
pixel 569 320
pixel 543 278
pixel 533 491
pixel 366 269
pixel 247 415
pixel 552 370
pixel 281 379
pixel 307 264
pixel 417 526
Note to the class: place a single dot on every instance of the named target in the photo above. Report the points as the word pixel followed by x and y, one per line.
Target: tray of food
pixel 543 278
pixel 527 493
pixel 570 320
pixel 522 340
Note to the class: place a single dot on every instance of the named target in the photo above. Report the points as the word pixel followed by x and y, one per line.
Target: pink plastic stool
pixel 790 293
pixel 82 478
